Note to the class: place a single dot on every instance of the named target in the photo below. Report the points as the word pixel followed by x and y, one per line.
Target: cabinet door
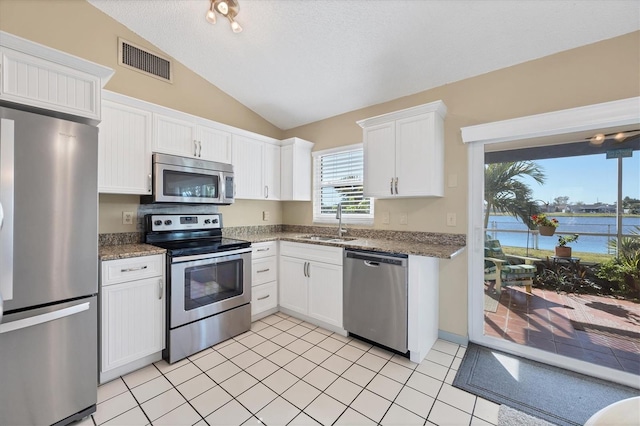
pixel 379 160
pixel 132 321
pixel 124 156
pixel 325 293
pixel 216 144
pixel 174 135
pixel 417 161
pixel 293 284
pixel 272 171
pixel 247 167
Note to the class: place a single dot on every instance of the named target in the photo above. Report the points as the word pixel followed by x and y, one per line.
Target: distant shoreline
pixel 575 214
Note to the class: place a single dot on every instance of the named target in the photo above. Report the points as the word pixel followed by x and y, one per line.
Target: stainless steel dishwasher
pixel 375 297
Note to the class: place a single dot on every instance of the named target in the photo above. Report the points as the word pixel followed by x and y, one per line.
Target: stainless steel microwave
pixel 189 180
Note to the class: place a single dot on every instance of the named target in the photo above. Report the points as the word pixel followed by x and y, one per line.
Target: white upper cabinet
pixel 295 170
pixel 124 148
pixel 404 152
pixel 180 134
pixel 36 75
pixel 256 166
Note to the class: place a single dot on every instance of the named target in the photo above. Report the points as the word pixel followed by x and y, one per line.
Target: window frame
pixel 324 218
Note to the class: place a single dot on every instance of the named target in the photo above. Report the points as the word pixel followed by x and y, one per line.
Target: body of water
pixel 568 225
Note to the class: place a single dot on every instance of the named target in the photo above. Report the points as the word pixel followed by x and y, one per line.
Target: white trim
pixel 437 106
pixel 38 50
pixel 593 117
pixel 343 148
pixel 618 113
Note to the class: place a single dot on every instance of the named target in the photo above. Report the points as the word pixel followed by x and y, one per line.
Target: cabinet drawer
pixel 135 268
pixel 261 250
pixel 312 252
pixel 263 297
pixel 264 270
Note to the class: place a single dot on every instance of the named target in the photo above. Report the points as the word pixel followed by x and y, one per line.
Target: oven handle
pixel 215 255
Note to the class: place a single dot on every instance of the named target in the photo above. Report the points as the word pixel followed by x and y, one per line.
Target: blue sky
pixel 589 179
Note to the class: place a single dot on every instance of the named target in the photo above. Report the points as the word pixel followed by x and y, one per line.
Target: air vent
pixel 139 59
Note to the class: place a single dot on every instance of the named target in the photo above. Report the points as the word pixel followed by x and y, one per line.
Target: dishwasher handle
pixel 375 259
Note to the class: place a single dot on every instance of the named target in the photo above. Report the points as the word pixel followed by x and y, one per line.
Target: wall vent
pixel 145 61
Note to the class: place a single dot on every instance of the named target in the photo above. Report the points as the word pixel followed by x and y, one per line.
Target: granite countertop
pixel 123 251
pixel 438 250
pixel 442 246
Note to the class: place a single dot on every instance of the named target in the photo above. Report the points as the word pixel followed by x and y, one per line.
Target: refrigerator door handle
pixel 40 319
pixel 7 141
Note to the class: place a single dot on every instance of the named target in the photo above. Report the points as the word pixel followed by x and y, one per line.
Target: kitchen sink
pixel 326 238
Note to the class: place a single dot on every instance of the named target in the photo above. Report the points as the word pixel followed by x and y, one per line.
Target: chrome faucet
pixel 339 217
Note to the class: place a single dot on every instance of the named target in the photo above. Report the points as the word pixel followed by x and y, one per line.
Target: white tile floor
pixel 285 371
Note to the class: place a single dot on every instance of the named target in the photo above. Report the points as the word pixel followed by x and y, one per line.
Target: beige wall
pixel 600 72
pixel 591 74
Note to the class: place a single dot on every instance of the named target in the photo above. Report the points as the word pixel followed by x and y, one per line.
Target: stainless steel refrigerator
pixel 48 269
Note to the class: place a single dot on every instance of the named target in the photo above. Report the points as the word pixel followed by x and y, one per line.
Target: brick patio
pixel 543 320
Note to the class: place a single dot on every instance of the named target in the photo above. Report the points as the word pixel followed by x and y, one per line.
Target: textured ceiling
pixel 299 61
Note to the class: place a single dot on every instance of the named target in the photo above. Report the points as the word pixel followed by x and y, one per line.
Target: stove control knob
pixel 157 222
pixel 168 222
pixel 214 220
pixel 207 221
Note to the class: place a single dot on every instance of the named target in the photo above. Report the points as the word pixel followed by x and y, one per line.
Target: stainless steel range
pixel 209 281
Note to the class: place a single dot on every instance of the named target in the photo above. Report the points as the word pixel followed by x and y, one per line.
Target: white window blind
pixel 338 178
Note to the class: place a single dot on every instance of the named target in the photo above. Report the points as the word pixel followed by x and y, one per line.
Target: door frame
pixel 551 128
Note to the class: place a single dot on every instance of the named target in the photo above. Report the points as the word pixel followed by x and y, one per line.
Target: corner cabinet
pixel 132 306
pixel 311 283
pixel 295 170
pixel 404 152
pixel 124 148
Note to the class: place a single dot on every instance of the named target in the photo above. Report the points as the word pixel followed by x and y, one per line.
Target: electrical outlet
pixel 127 218
pixel 404 220
pixel 451 219
pixel 266 215
pixel 453 180
pixel 385 218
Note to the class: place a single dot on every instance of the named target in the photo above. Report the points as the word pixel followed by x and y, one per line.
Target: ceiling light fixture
pixel 227 8
pixel 599 138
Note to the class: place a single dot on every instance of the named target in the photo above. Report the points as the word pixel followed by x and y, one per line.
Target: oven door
pixel 205 285
pixel 181 184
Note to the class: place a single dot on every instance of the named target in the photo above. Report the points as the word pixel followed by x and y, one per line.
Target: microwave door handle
pixel 222 191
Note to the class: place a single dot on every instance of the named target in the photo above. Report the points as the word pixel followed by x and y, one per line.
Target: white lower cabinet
pixel 264 279
pixel 132 305
pixel 311 282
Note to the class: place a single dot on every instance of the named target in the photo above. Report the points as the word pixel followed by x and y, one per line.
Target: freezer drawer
pixel 49 363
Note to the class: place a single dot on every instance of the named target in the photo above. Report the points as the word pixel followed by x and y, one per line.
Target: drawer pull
pixel 264 297
pixel 140 268
pixel 263 249
pixel 263 270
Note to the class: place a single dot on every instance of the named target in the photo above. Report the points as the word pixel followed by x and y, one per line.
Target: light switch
pixel 451 219
pixel 404 220
pixel 453 180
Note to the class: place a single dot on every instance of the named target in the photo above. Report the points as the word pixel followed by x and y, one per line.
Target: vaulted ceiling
pixel 300 61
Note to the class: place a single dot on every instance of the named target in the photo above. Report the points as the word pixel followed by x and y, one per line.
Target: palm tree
pixel 505 192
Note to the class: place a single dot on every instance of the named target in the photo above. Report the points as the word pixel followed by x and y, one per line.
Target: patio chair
pixel 506 268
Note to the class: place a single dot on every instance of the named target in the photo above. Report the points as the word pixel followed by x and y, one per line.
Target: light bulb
pixel 236 27
pixel 222 7
pixel 597 139
pixel 210 17
pixel 620 136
